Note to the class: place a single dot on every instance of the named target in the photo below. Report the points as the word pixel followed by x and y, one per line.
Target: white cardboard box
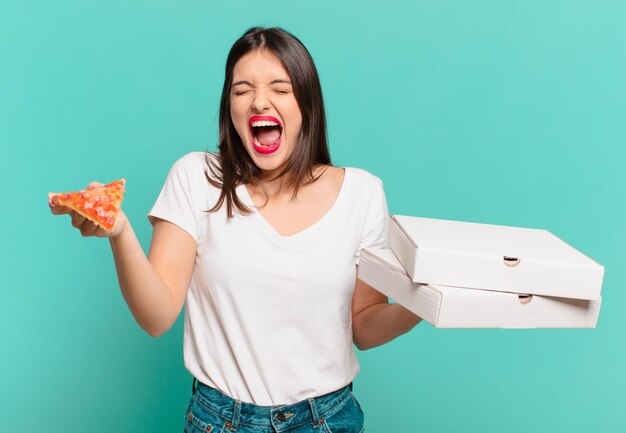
pixel 453 307
pixel 492 257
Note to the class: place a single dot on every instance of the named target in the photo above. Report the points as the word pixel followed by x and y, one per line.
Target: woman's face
pixel 264 110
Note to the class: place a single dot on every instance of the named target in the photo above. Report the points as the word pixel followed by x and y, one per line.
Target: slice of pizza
pixel 100 204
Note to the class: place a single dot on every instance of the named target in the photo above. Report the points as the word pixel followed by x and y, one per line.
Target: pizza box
pixel 454 307
pixel 492 257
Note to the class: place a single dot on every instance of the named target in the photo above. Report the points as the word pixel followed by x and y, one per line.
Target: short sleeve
pixel 175 202
pixel 374 234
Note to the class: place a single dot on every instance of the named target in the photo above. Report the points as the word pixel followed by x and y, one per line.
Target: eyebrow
pixel 278 81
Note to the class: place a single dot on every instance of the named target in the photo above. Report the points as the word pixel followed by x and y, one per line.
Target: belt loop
pixel 193 386
pixel 234 423
pixel 314 414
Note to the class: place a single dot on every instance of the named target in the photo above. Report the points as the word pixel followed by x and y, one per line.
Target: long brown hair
pixel 235 166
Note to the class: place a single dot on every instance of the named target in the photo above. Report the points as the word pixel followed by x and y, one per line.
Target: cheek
pixel 297 128
pixel 234 112
pixel 239 120
pixel 295 120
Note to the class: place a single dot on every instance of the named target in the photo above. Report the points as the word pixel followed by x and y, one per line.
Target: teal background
pixel 499 112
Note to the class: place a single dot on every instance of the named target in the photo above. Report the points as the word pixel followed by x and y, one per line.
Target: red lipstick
pixel 257 118
pixel 264 150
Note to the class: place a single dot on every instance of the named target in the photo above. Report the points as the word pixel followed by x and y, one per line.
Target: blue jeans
pixel 211 411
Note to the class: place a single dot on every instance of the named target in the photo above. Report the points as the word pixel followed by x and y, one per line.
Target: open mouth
pixel 266 133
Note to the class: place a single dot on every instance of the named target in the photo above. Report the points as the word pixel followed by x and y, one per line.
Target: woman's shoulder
pixel 196 165
pixel 361 188
pixel 363 178
pixel 194 169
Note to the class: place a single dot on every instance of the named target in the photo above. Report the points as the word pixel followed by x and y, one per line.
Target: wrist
pixel 122 231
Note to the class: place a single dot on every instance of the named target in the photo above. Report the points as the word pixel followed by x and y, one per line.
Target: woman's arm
pixel 154 287
pixel 374 320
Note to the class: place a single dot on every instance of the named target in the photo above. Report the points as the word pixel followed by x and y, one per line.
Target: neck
pixel 272 187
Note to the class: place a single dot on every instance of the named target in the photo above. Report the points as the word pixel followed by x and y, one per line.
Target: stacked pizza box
pixel 467 275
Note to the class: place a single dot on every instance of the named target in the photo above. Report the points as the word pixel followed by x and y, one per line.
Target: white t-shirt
pixel 268 317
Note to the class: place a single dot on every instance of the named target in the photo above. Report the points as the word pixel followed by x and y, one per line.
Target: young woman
pixel 261 243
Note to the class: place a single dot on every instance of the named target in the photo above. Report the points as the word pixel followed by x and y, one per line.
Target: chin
pixel 268 163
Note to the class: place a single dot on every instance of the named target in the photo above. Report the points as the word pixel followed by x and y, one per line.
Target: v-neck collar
pixel 242 191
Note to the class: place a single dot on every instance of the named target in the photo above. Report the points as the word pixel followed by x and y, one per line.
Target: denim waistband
pixel 280 418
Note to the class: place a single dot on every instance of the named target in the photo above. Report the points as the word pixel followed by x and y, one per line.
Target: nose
pixel 261 101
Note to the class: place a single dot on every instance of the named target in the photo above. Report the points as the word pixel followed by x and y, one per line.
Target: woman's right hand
pixel 89 228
